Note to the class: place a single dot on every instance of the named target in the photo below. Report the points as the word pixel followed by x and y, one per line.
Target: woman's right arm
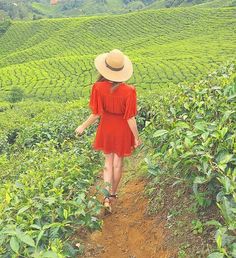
pixel 133 126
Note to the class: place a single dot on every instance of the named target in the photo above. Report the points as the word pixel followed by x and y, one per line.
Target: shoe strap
pixel 113 195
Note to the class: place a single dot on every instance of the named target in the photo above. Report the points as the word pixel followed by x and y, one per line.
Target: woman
pixel 115 102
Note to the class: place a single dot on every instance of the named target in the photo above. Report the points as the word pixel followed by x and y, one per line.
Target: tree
pixel 16 94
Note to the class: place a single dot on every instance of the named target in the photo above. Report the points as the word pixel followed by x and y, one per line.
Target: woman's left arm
pixel 91 119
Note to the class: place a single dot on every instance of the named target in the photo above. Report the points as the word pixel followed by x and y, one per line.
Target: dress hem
pixel 109 152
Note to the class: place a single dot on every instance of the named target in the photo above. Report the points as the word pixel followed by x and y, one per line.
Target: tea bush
pixel 45 178
pixel 196 138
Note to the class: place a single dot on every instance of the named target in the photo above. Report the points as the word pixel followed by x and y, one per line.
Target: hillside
pixel 55 56
pixel 189 3
pixel 37 9
pixel 178 194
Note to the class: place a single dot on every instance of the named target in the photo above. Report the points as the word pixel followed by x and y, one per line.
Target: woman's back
pixel 120 101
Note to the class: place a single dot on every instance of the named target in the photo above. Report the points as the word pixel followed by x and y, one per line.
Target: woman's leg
pixel 108 171
pixel 117 172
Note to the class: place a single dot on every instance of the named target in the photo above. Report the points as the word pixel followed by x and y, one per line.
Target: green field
pixel 54 59
pixel 184 72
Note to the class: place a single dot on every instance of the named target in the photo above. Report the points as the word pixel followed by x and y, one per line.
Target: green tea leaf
pixel 26 239
pixel 105 192
pixel 223 157
pixel 201 126
pixel 213 223
pixel 14 244
pixel 39 236
pixel 199 180
pixel 7 198
pixel 50 254
pixel 182 125
pixel 160 133
pixel 216 255
pixel 57 182
pixel 234 249
pixel 23 209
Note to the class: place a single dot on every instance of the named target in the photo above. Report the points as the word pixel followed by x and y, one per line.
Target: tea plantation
pixel 184 71
pixel 54 58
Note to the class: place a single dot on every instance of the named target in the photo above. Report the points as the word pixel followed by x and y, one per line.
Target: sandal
pixel 115 196
pixel 107 204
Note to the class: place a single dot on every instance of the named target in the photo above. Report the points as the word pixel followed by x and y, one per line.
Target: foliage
pixel 195 134
pixel 4 26
pixel 197 226
pixel 54 58
pixel 197 3
pixel 16 94
pixel 44 196
pixel 15 9
pixel 46 173
pixel 36 9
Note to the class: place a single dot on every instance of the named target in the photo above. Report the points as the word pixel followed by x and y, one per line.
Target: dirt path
pixel 129 232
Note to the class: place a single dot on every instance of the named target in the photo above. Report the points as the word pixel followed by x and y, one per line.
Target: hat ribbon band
pixel 113 68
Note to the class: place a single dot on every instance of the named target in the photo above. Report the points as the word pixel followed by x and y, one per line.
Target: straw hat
pixel 114 66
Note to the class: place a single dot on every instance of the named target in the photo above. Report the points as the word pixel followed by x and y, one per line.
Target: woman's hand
pixel 137 142
pixel 79 130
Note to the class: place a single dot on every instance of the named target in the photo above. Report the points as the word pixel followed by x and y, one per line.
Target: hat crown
pixel 114 66
pixel 115 59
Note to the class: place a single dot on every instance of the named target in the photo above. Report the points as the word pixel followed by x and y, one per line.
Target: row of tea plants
pixel 46 173
pixel 193 133
pixel 53 58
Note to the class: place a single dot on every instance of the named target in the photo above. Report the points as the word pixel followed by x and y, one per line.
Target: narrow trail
pixel 129 232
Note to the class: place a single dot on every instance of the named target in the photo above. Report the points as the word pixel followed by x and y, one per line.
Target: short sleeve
pixel 95 101
pixel 131 105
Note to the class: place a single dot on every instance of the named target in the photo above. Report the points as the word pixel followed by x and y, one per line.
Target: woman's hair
pixel 114 84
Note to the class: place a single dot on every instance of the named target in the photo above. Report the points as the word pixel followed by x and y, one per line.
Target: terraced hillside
pixel 87 7
pixel 182 3
pixel 54 58
pixel 36 9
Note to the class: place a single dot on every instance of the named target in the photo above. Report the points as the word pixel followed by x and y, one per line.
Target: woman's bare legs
pixel 108 171
pixel 117 172
pixel 112 171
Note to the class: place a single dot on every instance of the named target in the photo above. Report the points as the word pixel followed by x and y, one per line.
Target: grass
pixel 54 59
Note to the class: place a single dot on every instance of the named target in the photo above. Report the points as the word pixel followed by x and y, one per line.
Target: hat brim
pixel 116 76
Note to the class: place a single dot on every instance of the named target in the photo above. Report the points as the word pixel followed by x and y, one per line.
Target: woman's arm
pixel 133 126
pixel 91 119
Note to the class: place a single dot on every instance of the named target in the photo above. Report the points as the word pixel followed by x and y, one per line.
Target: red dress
pixel 113 133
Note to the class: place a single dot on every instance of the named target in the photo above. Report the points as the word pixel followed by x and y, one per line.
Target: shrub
pixel 197 137
pixel 16 94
